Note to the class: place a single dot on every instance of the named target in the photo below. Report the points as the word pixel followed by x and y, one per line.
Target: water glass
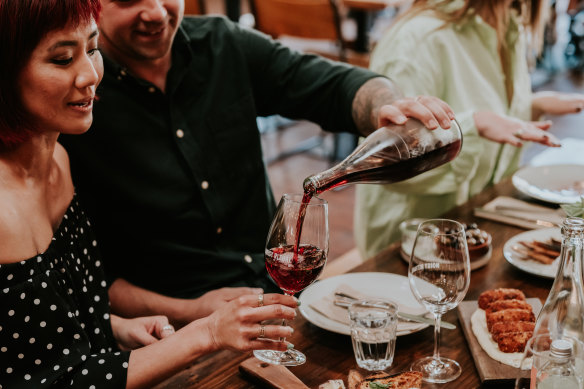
pixel 373 333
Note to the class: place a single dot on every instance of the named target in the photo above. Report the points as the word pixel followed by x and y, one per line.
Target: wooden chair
pixel 195 7
pixel 308 19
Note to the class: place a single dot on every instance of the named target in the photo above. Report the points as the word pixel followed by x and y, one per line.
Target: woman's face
pixel 57 85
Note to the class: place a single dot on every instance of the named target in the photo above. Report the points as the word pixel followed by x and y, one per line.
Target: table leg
pixel 364 20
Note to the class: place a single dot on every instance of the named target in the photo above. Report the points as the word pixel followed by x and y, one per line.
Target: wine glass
pixel 296 252
pixel 439 275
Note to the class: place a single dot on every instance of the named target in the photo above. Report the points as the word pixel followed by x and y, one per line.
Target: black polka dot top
pixel 55 326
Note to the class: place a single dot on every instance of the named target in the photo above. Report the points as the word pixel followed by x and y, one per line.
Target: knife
pixel 538 222
pixel 409 316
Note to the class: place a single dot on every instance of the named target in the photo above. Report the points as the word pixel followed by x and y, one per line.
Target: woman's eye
pixel 62 62
pixel 93 51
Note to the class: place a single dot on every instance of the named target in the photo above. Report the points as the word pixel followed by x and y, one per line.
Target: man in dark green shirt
pixel 171 172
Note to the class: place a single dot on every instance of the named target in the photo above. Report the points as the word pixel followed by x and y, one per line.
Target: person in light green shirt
pixel 473 55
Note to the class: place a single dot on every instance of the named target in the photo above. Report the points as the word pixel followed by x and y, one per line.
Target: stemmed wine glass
pixel 296 252
pixel 439 275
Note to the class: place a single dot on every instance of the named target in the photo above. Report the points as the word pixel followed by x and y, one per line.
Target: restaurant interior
pixel 348 30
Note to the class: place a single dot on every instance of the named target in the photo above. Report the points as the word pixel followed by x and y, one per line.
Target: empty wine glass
pixel 296 252
pixel 439 275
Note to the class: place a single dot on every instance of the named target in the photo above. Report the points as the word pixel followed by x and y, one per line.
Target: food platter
pixel 531 266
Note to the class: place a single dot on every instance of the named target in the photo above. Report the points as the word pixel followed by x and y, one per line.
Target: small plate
pixel 383 285
pixel 553 183
pixel 530 266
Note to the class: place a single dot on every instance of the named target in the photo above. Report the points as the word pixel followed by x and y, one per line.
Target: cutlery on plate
pixel 539 222
pixel 345 302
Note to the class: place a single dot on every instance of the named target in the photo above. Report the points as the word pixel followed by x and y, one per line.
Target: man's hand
pixel 142 331
pixel 380 102
pixel 217 298
pixel 430 110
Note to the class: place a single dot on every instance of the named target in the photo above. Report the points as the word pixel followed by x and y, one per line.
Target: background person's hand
pixel 430 110
pixel 505 129
pixel 217 298
pixel 141 331
pixel 237 326
pixel 555 103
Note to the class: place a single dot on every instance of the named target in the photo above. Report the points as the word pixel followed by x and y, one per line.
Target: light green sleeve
pixel 416 62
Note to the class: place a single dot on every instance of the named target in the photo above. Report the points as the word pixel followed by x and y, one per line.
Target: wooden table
pixel 330 355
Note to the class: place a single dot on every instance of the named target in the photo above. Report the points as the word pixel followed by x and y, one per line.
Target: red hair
pixel 23 23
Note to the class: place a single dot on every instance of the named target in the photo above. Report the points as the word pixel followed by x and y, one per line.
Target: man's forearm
pixel 370 97
pixel 128 300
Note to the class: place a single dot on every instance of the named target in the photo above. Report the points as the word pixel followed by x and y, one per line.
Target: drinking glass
pixel 439 275
pixel 296 252
pixel 373 333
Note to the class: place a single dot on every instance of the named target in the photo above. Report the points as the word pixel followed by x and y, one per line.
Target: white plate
pixel 384 285
pixel 530 266
pixel 553 183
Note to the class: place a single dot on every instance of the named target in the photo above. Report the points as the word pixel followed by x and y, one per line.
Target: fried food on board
pixel 489 296
pixel 500 305
pixel 509 318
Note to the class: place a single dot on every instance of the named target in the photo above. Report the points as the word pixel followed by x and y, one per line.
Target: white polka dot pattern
pixel 52 333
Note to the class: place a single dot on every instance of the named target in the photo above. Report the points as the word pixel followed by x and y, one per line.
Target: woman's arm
pixel 236 326
pixel 129 300
pixel 555 103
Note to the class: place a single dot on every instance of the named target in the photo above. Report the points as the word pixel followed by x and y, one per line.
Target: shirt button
pixel 152 89
pixel 204 184
pixel 123 72
pixel 219 230
pixel 247 259
pixel 180 133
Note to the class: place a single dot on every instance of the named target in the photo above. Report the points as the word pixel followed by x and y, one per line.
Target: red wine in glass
pixel 293 270
pixel 295 259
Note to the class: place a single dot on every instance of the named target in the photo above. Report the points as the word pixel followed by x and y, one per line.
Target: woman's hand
pixel 555 103
pixel 237 325
pixel 135 333
pixel 505 129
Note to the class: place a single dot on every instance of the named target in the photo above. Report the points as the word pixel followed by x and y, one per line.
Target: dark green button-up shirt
pixel 175 182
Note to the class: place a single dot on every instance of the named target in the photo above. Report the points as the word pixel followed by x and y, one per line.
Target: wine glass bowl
pixel 439 276
pixel 296 252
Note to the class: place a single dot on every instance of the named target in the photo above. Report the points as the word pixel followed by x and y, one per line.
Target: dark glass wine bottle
pixel 391 154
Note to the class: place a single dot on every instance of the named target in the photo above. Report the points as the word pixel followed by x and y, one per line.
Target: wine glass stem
pixel 283 338
pixel 437 319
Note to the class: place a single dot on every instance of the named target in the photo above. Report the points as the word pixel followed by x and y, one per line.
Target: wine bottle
pixel 390 154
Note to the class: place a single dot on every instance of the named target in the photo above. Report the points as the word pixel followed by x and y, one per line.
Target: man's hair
pixel 23 23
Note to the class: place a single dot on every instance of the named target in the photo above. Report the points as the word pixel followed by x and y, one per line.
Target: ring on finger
pixel 262 331
pixel 519 133
pixel 260 300
pixel 168 327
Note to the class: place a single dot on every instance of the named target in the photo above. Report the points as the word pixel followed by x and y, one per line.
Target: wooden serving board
pixel 272 376
pixel 488 368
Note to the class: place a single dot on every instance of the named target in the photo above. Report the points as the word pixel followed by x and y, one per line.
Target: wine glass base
pixel 285 358
pixel 437 370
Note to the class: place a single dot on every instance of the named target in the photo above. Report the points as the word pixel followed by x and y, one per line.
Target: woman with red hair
pixel 55 323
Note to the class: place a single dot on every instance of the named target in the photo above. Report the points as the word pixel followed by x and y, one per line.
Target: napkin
pixel 326 307
pixel 520 213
